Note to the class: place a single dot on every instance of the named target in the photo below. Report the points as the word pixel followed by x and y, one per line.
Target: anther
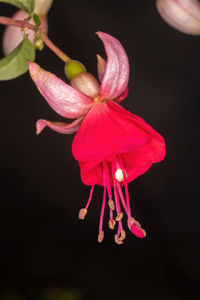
pixel 119 217
pixel 100 236
pixel 117 240
pixel 112 224
pixel 122 236
pixel 111 204
pixel 82 213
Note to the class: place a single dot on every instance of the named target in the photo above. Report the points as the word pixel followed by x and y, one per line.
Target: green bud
pixel 74 68
pixel 38 43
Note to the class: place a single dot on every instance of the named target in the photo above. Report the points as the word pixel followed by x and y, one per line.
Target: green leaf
pixel 27 5
pixel 36 19
pixel 16 63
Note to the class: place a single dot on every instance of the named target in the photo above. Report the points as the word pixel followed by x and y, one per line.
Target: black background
pixel 42 242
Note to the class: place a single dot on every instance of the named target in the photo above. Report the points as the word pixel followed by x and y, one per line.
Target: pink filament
pixel 90 197
pixel 104 197
pixel 102 210
pixel 108 186
pixel 122 197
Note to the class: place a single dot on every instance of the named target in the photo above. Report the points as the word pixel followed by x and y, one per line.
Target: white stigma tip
pixel 119 175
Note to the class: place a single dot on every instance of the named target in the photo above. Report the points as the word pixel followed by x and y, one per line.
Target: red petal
pixel 58 126
pixel 109 130
pixel 116 75
pixel 65 100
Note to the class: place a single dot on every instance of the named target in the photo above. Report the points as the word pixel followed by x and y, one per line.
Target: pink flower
pixel 112 145
pixel 183 15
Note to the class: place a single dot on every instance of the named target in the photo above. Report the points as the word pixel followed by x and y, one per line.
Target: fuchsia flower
pixel 112 145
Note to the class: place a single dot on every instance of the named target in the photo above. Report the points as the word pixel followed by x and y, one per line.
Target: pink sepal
pixel 65 100
pixel 122 96
pixel 116 75
pixel 58 126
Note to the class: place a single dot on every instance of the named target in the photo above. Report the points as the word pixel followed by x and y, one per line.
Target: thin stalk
pixel 43 35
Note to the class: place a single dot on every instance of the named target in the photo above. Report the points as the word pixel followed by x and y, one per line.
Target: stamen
pixel 117 240
pixel 82 213
pixel 103 203
pixel 112 224
pixel 117 203
pixel 111 204
pixel 119 217
pixel 122 235
pixel 110 201
pixel 100 236
pixel 102 211
pixel 122 198
pixel 127 200
pixel 90 197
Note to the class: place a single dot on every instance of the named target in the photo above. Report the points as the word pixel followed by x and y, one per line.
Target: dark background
pixel 42 242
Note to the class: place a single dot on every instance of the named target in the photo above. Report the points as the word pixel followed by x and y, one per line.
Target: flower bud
pixel 74 68
pixel 13 35
pixel 42 7
pixel 86 83
pixel 183 15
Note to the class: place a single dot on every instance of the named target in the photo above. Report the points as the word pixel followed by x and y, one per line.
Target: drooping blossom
pixel 112 145
pixel 183 15
pixel 13 35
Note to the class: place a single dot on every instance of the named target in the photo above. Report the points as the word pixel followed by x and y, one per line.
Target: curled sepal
pixel 115 79
pixel 27 5
pixel 58 126
pixel 64 99
pixel 122 96
pixel 16 63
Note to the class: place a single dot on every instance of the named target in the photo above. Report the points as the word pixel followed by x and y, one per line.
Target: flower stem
pixel 42 33
pixel 17 23
pixel 53 47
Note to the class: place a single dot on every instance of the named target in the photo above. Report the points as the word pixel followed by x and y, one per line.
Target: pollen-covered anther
pixel 82 213
pixel 100 236
pixel 119 217
pixel 122 236
pixel 112 224
pixel 111 204
pixel 117 240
